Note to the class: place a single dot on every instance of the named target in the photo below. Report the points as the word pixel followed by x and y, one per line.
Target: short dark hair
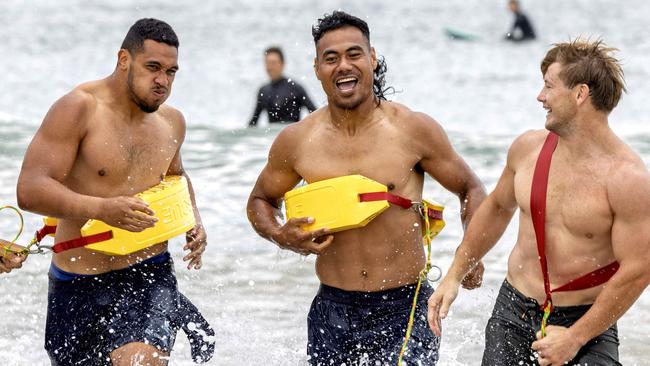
pixel 276 50
pixel 338 19
pixel 148 28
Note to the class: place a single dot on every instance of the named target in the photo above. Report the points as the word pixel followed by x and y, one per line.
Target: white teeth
pixel 345 80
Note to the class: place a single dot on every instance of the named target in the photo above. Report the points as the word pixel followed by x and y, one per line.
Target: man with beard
pixel 368 274
pixel 582 253
pixel 97 146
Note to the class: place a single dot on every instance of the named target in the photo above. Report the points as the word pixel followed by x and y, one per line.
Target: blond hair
pixel 590 63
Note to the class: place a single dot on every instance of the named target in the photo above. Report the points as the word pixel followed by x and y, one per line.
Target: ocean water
pixel 255 295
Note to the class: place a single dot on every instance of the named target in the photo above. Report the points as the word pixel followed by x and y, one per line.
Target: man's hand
pixel 291 236
pixel 474 278
pixel 439 304
pixel 128 213
pixel 196 243
pixel 10 260
pixel 557 348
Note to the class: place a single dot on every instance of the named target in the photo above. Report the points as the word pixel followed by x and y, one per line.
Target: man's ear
pixel 582 93
pixel 123 59
pixel 373 57
pixel 316 67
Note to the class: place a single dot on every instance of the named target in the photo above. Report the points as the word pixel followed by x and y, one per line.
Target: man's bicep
pixel 631 226
pixel 445 165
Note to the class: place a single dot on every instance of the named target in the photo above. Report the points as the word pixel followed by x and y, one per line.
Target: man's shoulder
pixel 76 104
pixel 171 113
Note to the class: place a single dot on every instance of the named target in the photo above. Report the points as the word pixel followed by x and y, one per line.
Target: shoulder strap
pixel 538 203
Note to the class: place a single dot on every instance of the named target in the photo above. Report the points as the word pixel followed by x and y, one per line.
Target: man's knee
pixel 140 354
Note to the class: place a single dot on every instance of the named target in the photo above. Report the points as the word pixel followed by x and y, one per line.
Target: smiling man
pixel 97 146
pixel 582 253
pixel 367 275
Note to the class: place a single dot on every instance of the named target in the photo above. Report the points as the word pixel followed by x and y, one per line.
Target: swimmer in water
pixel 594 234
pixel 99 145
pixel 282 98
pixel 368 275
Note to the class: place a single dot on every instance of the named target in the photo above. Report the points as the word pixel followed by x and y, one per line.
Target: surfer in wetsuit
pixel 522 29
pixel 282 98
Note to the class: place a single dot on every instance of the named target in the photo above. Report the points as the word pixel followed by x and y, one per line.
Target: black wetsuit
pixel 282 100
pixel 523 25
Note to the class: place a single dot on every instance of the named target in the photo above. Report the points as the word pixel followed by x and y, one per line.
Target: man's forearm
pixel 484 230
pixel 470 202
pixel 47 196
pixel 620 292
pixel 190 188
pixel 264 217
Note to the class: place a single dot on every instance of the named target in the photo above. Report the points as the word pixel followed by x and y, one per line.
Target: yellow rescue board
pixel 334 203
pixel 170 201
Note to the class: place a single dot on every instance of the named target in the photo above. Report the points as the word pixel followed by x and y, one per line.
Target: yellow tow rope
pixel 428 236
pixel 28 249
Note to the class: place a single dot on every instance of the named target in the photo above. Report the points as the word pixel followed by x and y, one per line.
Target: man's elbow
pixel 23 196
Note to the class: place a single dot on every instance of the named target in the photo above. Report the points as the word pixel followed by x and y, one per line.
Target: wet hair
pixel 276 50
pixel 148 28
pixel 339 19
pixel 590 63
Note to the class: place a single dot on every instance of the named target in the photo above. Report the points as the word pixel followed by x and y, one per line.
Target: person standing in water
pixel 522 29
pixel 368 275
pixel 99 145
pixel 582 253
pixel 282 98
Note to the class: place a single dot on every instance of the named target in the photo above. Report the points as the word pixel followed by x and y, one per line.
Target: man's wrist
pixel 578 335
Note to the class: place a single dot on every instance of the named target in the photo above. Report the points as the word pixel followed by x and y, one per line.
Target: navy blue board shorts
pixel 367 328
pixel 515 321
pixel 89 316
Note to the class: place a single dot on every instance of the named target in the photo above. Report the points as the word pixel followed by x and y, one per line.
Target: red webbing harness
pixel 73 243
pixel 398 201
pixel 538 215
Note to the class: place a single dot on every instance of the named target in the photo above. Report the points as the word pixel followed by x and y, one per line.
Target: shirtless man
pixel 99 145
pixel 597 212
pixel 368 274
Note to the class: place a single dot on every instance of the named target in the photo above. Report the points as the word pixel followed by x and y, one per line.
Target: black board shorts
pixel 367 328
pixel 89 316
pixel 515 321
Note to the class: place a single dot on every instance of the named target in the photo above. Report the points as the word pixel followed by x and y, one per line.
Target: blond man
pixel 581 256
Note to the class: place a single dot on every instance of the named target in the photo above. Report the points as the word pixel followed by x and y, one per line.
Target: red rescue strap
pixel 396 200
pixel 74 243
pixel 538 215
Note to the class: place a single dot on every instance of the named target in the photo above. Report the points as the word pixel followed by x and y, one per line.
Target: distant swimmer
pixel 522 29
pixel 369 275
pixel 98 146
pixel 581 256
pixel 282 98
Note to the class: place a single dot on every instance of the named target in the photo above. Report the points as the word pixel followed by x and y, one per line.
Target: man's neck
pixel 586 134
pixel 351 120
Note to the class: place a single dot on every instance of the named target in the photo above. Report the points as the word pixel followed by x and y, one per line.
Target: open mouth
pixel 347 83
